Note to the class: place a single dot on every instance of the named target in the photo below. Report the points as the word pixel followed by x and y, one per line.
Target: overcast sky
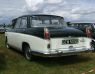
pixel 71 10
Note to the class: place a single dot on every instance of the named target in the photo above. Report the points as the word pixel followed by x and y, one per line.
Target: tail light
pixel 46 34
pixel 88 32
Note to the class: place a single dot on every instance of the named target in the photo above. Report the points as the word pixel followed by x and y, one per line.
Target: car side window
pixel 23 22
pixel 18 23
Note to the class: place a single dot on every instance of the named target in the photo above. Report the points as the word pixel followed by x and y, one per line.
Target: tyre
pixel 27 53
pixel 93 45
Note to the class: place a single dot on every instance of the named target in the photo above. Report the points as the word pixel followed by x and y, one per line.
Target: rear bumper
pixel 58 53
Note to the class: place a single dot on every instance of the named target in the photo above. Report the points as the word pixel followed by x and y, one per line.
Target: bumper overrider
pixel 59 53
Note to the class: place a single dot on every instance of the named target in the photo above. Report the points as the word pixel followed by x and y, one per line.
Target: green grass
pixel 12 62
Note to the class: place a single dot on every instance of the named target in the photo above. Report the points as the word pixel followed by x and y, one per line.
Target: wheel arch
pixel 24 45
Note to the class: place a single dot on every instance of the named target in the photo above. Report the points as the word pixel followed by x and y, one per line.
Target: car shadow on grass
pixel 54 61
pixel 2 61
pixel 60 61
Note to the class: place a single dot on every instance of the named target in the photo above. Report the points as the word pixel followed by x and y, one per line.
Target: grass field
pixel 12 62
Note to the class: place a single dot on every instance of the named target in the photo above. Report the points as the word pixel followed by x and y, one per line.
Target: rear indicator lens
pixel 88 32
pixel 46 34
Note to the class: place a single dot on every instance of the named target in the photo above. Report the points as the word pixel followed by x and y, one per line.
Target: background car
pixel 2 30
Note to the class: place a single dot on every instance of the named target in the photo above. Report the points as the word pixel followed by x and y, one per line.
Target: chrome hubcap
pixel 28 55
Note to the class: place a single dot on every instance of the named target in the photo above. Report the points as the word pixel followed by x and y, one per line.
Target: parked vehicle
pixel 2 30
pixel 45 35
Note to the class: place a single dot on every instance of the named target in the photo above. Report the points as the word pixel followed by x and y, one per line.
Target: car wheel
pixel 93 45
pixel 27 53
pixel 6 44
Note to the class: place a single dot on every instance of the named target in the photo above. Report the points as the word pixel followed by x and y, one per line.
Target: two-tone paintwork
pixel 34 36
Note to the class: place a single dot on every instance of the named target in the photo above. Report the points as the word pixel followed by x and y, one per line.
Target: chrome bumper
pixel 58 53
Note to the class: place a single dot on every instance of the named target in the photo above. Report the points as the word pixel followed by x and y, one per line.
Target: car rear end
pixel 69 45
pixel 55 39
pixel 63 43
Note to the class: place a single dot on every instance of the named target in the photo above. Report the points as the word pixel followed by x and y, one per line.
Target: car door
pixel 16 37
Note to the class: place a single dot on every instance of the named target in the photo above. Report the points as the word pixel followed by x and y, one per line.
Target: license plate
pixel 70 41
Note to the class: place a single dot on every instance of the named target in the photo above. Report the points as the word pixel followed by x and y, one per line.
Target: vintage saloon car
pixel 45 35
